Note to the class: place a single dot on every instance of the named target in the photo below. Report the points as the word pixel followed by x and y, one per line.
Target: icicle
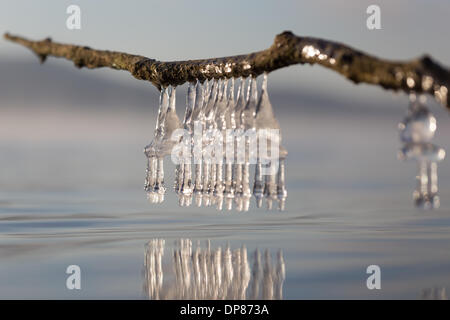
pixel 186 187
pixel 230 123
pixel 248 125
pixel 209 173
pixel 218 139
pixel 281 182
pixel 197 137
pixel 151 151
pixel 163 108
pixel 416 132
pixel 220 124
pixel 171 123
pixel 274 186
pixel 238 167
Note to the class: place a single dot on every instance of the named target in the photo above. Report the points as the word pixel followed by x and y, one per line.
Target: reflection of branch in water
pixel 206 273
pixel 434 294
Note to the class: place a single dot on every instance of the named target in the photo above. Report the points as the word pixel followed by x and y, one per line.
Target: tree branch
pixel 421 75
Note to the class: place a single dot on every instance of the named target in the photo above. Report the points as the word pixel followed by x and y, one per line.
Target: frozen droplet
pixel 270 189
pixel 198 187
pixel 422 152
pixel 179 168
pixel 186 187
pixel 150 179
pixel 419 125
pixel 159 185
pixel 229 186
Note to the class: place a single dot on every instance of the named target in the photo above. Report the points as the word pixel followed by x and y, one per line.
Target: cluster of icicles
pixel 212 273
pixel 214 105
pixel 416 132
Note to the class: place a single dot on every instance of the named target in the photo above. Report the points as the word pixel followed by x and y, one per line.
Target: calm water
pixel 71 193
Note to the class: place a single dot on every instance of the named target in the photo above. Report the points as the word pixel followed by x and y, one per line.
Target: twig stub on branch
pixel 421 75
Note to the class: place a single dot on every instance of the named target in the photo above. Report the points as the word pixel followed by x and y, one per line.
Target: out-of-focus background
pixel 72 166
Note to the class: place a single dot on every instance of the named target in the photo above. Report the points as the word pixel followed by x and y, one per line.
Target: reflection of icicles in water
pixel 206 273
pixel 153 268
pixel 221 140
pixel 416 132
pixel 436 293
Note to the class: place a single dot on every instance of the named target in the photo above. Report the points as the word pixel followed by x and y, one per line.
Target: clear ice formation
pixel 219 146
pixel 161 146
pixel 416 132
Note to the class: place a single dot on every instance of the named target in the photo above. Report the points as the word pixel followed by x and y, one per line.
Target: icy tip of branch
pixel 422 75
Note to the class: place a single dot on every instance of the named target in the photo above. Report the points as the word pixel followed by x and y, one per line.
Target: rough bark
pixel 421 75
